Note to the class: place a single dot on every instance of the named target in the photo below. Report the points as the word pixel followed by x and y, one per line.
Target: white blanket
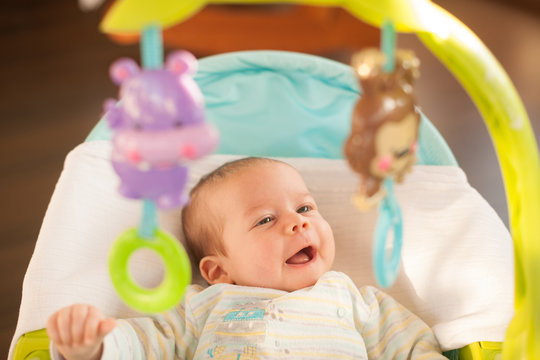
pixel 457 260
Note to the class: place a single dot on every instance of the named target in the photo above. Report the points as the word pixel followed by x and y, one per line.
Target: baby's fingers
pixel 52 328
pixel 79 314
pixel 63 326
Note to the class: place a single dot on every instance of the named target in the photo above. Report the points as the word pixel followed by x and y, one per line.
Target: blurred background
pixel 54 77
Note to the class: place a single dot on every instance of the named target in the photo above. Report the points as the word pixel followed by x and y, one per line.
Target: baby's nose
pixel 298 224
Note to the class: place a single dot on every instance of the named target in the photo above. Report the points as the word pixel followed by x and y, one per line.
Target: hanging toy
pixel 159 126
pixel 383 139
pixel 382 145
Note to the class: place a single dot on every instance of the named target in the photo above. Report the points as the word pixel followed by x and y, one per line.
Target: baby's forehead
pixel 272 165
pixel 257 175
pixel 269 172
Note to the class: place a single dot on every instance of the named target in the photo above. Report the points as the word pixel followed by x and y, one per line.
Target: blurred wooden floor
pixel 54 77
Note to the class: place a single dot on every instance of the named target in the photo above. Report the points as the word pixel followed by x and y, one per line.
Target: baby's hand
pixel 77 331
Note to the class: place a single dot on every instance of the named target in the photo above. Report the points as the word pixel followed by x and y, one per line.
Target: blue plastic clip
pixel 152 47
pixel 148 226
pixel 388 45
pixel 386 267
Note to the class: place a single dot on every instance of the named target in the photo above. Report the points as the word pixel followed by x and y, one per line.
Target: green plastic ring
pixel 177 271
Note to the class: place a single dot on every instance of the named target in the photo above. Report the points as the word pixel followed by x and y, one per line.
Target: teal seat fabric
pixel 283 104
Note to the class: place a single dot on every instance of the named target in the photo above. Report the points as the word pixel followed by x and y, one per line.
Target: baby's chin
pixel 299 284
pixel 285 285
pixel 288 281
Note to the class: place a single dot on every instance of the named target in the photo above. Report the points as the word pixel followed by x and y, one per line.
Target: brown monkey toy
pixel 384 132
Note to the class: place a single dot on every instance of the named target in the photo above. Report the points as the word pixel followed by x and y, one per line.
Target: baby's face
pixel 273 233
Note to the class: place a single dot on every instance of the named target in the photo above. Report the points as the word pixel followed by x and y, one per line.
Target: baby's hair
pixel 204 238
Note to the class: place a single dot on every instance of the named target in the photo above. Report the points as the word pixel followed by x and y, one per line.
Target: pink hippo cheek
pixel 134 156
pixel 188 151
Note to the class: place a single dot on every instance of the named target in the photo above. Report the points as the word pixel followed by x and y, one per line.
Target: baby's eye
pixel 304 209
pixel 264 221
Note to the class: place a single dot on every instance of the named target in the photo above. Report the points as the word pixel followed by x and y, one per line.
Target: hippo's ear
pixel 182 62
pixel 123 69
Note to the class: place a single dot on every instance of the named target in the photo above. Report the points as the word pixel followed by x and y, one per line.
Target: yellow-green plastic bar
pixel 489 87
pixel 130 16
pixel 507 121
pixel 32 345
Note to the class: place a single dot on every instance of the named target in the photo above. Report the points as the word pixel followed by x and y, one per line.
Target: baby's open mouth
pixel 303 256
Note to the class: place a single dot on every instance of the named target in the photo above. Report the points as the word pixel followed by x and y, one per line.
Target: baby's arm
pixel 77 331
pixel 391 331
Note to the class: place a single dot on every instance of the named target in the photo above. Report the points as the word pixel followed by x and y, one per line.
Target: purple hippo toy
pixel 158 125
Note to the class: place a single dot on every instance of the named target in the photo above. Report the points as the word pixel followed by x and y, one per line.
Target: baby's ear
pixel 212 270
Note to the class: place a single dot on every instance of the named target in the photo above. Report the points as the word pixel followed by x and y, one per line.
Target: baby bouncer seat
pixel 296 107
pixel 457 263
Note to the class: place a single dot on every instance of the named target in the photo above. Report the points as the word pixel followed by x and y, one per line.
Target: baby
pixel 266 251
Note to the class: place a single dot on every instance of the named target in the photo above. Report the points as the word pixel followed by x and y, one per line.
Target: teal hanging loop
pixel 148 226
pixel 152 47
pixel 387 267
pixel 388 45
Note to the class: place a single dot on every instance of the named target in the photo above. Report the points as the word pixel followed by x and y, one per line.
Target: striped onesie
pixel 330 320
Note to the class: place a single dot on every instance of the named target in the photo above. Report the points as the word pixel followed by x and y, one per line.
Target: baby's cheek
pixel 329 235
pixel 327 245
pixel 258 268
